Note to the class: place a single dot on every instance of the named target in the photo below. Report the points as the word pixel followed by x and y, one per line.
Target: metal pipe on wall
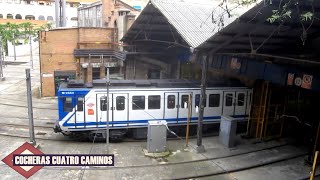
pixel 56 6
pixel 64 15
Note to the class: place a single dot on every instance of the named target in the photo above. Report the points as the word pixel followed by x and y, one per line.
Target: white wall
pixel 24 49
pixel 36 10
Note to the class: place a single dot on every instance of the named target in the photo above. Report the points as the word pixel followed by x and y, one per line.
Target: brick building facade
pixel 57 60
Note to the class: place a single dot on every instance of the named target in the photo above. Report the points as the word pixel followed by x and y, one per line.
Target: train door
pixel 183 106
pixel 171 105
pixel 214 108
pixel 240 103
pixel 228 103
pixel 119 109
pixel 102 109
pixel 79 115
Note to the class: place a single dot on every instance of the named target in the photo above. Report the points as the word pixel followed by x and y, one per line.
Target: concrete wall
pixel 56 51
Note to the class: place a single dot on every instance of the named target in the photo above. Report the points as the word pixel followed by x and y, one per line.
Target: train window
pixel 120 103
pixel 171 101
pixel 154 102
pixel 138 102
pixel 229 99
pixel 103 103
pixel 240 99
pixel 214 100
pixel 67 104
pixel 197 101
pixel 80 104
pixel 184 101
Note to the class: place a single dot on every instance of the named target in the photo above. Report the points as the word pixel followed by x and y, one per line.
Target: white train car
pixel 132 103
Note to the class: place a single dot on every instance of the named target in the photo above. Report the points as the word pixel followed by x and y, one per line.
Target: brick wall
pixel 56 51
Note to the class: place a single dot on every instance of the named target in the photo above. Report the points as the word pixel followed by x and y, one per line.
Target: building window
pixel 154 102
pixel 171 101
pixel 103 103
pixel 74 19
pixel 30 17
pixel 214 100
pixel 120 103
pixel 241 99
pixel 153 74
pixel 229 99
pixel 184 101
pixel 80 104
pixel 9 16
pixel 18 16
pixel 1 16
pixel 197 101
pixel 67 104
pixel 95 73
pixel 41 18
pixel 138 102
pixel 113 70
pixel 50 18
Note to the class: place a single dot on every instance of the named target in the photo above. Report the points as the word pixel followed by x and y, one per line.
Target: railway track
pixel 26 126
pixel 205 162
pixel 34 100
pixel 42 132
pixel 25 106
pixel 212 167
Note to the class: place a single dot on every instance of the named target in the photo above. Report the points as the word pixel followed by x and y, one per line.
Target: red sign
pixel 234 64
pixel 290 79
pixel 307 81
pixel 25 171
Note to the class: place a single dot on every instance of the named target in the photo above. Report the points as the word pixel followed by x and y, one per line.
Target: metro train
pixel 83 107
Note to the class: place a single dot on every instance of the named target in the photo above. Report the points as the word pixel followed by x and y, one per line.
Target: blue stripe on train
pixel 144 121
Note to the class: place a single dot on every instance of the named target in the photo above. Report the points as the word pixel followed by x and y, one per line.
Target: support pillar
pixel 89 73
pixel 200 147
pixel 102 71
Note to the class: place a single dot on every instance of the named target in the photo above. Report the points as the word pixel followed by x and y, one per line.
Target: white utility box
pixel 228 128
pixel 157 136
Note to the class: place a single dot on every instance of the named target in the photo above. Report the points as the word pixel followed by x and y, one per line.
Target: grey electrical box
pixel 228 128
pixel 157 136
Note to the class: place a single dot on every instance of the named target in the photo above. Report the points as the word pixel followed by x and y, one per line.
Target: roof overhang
pixel 99 53
pixel 251 34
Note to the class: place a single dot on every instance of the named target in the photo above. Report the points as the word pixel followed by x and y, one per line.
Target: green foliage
pixel 285 12
pixel 246 2
pixel 10 32
pixel 306 16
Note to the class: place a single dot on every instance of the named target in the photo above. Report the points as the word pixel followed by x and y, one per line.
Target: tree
pixel 300 11
pixel 10 32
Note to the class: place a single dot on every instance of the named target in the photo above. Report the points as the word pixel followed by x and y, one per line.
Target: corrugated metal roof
pixel 191 19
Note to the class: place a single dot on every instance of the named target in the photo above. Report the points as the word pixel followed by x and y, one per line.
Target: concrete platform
pixel 131 163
